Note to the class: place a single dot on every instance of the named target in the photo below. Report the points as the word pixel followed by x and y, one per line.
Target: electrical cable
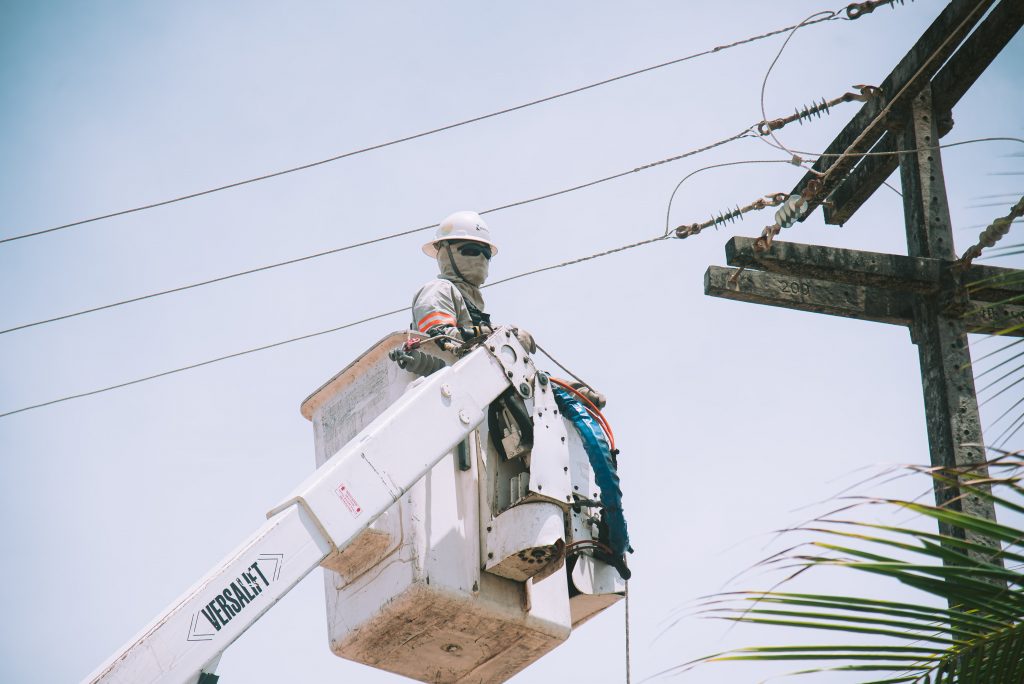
pixel 748 132
pixel 591 409
pixel 629 669
pixel 576 261
pixel 555 361
pixel 310 335
pixel 668 209
pixel 390 236
pixel 764 83
pixel 415 136
pixel 884 111
pixel 205 363
pixel 922 148
pixel 893 152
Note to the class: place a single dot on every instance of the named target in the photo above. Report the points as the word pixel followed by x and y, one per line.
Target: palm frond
pixel 970 631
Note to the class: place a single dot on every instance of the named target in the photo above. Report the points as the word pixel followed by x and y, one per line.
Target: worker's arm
pixel 438 309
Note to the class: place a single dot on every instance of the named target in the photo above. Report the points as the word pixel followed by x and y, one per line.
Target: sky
pixel 731 417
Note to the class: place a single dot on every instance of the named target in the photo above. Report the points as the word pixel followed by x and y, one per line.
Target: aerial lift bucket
pixel 464 579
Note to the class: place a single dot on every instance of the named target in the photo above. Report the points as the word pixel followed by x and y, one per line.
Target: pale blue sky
pixel 729 416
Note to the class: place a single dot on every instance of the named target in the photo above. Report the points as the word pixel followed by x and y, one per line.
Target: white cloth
pixel 468 273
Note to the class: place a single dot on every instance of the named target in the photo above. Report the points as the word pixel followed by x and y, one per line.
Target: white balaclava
pixel 467 272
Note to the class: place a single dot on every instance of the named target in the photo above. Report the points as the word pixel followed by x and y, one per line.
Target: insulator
pixel 792 209
pixel 815 110
pixel 730 216
pixel 991 235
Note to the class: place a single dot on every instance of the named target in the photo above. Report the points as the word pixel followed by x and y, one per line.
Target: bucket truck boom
pixel 322 516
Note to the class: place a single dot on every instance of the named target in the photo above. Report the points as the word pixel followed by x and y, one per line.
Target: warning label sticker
pixel 350 502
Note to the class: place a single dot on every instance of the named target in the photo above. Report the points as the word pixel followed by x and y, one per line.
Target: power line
pixel 941 146
pixel 465 122
pixel 288 262
pixel 743 134
pixel 315 334
pixel 668 209
pixel 764 83
pixel 971 17
pixel 498 282
pixel 575 261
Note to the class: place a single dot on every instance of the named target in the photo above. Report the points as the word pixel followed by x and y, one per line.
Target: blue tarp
pixel 595 442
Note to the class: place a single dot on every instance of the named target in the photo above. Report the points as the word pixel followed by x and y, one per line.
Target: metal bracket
pixel 519 367
pixel 549 460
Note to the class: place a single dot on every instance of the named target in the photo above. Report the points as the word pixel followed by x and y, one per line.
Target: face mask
pixel 472 269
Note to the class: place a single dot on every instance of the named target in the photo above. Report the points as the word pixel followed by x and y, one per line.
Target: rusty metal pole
pixel 951 404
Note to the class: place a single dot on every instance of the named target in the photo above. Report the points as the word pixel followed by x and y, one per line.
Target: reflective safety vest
pixel 439 302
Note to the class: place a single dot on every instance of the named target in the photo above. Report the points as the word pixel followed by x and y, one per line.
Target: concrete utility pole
pixel 927 289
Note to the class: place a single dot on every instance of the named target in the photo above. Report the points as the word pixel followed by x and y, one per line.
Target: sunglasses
pixel 474 249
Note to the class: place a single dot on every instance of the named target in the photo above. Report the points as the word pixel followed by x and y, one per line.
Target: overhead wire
pixel 668 209
pixel 768 127
pixel 629 667
pixel 894 98
pixel 382 238
pixel 764 82
pixel 865 7
pixel 555 361
pixel 311 335
pixel 400 310
pixel 921 148
pixel 746 133
pixel 824 16
pixel 415 136
pixel 204 363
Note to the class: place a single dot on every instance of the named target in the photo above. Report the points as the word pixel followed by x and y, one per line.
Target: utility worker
pixel 452 304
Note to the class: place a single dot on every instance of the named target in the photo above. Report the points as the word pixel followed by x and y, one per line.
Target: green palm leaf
pixel 975 633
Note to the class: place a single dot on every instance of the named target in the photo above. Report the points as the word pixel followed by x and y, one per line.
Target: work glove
pixel 470 332
pixel 525 339
pixel 592 395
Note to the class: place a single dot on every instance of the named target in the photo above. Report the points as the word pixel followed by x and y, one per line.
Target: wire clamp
pixel 858 9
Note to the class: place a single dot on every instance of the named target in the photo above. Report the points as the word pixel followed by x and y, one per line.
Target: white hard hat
pixel 462 225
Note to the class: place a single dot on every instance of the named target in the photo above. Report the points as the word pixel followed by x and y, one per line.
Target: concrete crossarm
pixel 921 275
pixel 321 517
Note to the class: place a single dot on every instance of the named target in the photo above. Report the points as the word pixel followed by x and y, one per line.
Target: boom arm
pixel 322 516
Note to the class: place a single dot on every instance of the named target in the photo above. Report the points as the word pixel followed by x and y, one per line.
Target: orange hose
pixel 591 409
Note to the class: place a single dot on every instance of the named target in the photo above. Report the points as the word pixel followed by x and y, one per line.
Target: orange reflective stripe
pixel 435 318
